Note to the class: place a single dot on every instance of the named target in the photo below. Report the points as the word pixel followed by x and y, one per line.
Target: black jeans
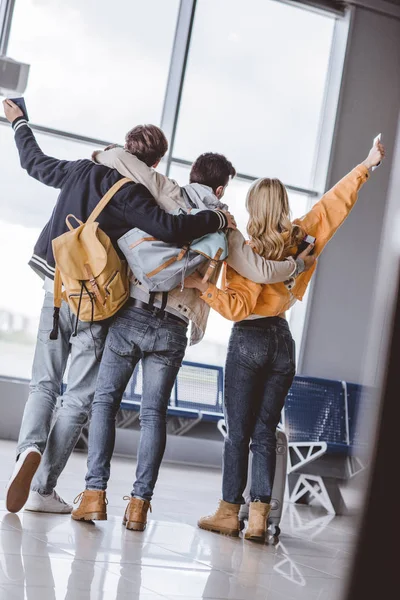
pixel 259 371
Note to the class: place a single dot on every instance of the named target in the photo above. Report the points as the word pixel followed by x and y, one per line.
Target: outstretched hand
pixel 230 219
pixel 375 156
pixel 12 111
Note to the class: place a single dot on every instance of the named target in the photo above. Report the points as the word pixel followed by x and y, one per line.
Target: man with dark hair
pixel 131 338
pixel 82 184
pixel 214 170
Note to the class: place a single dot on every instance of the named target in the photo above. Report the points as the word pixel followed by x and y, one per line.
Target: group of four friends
pixel 262 278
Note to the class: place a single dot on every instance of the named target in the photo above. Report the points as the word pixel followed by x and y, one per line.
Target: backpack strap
pixel 106 198
pixel 57 303
pixel 213 263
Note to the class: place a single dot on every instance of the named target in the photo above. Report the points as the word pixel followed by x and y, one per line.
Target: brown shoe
pixel 225 520
pixel 135 517
pixel 258 522
pixel 93 506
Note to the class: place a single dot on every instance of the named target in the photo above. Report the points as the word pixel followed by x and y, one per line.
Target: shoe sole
pixel 93 516
pixel 260 539
pixel 220 530
pixel 18 492
pixel 48 512
pixel 134 525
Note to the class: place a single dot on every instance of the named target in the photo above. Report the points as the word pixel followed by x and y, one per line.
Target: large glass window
pixel 255 85
pixel 97 68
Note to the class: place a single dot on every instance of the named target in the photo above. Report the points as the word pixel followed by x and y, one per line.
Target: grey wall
pixel 339 311
pixel 386 282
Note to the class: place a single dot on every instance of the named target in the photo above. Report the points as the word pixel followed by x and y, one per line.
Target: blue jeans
pixel 160 343
pixel 260 368
pixel 56 438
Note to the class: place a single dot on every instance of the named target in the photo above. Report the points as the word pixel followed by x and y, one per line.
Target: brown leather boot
pixel 258 522
pixel 93 506
pixel 225 520
pixel 135 517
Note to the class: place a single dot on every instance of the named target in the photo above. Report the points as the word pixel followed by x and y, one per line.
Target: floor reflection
pixel 51 557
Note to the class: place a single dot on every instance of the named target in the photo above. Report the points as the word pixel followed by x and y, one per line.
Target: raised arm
pixel 46 169
pixel 130 166
pixel 325 218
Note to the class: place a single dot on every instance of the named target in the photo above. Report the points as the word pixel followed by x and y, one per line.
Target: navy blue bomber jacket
pixel 83 184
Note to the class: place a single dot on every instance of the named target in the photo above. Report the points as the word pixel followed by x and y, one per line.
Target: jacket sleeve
pixel 237 299
pixel 142 211
pixel 50 171
pixel 325 218
pixel 130 166
pixel 249 264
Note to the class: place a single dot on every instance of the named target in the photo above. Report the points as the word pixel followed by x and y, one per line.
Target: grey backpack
pixel 162 266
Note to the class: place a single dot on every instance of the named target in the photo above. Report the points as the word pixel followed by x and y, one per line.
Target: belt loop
pixel 163 303
pixel 152 296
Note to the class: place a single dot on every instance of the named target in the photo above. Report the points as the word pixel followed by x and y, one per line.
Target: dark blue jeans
pixel 259 371
pixel 160 343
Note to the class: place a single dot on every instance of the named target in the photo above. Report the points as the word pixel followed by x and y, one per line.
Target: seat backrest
pixel 315 411
pixel 197 387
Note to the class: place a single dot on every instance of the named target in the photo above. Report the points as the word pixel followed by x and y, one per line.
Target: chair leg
pixel 314 486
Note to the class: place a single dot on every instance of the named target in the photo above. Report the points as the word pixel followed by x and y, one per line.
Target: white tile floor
pixel 53 558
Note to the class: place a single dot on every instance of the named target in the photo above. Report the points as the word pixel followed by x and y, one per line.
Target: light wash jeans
pixel 160 342
pixel 56 439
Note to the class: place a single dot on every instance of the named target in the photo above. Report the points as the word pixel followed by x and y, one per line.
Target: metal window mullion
pixel 6 13
pixel 327 140
pixel 176 74
pixel 64 135
pixel 331 102
pixel 346 412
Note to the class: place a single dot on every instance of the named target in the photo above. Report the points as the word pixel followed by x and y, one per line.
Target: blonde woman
pixel 260 364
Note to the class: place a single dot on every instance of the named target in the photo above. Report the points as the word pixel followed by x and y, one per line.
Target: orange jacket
pixel 240 297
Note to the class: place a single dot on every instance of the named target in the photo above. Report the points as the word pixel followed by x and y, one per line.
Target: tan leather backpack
pixel 94 278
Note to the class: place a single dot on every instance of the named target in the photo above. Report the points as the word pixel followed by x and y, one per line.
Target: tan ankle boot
pixel 135 517
pixel 258 521
pixel 225 520
pixel 93 506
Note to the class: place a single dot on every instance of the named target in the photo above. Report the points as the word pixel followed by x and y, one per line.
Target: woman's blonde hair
pixel 270 229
